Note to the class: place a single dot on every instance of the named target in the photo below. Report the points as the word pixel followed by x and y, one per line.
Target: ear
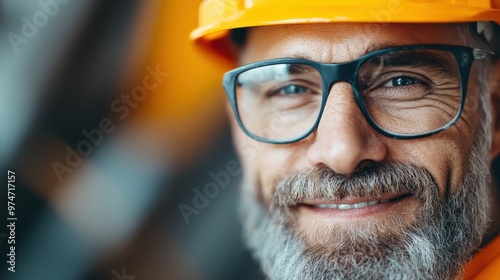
pixel 495 109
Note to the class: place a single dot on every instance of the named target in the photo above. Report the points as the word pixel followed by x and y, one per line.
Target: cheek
pixel 263 163
pixel 445 155
pixel 246 148
pixel 440 157
pixel 276 162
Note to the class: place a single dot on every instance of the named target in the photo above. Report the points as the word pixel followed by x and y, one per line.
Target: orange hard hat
pixel 217 17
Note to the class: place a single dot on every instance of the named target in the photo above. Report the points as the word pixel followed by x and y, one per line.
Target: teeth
pixel 361 205
pixel 373 203
pixel 350 206
pixel 346 206
pixel 330 206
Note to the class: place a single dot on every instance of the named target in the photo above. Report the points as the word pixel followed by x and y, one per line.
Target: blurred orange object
pixel 186 110
pixel 486 263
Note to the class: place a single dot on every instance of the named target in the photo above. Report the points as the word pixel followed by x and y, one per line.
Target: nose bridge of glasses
pixel 333 73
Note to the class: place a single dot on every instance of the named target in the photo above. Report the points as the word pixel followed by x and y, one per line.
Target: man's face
pixel 347 197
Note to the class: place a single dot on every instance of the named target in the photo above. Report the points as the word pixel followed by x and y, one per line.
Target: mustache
pixel 371 180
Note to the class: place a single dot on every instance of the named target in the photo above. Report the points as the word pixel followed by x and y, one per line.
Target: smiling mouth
pixel 351 203
pixel 349 206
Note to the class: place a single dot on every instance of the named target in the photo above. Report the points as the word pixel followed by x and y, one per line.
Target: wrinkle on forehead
pixel 342 42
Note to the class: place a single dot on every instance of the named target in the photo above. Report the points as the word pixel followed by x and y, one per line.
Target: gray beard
pixel 437 246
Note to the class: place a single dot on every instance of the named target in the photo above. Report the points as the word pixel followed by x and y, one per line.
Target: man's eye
pixel 400 82
pixel 293 89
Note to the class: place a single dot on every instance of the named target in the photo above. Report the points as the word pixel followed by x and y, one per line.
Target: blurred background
pixel 116 130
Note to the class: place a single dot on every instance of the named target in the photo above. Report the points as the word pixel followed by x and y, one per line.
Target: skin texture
pixel 344 140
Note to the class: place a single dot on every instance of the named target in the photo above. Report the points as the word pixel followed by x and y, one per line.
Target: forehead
pixel 341 42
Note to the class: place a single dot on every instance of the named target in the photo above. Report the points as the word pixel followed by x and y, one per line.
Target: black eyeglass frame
pixel 349 72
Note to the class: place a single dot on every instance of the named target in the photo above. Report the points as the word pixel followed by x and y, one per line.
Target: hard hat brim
pixel 213 30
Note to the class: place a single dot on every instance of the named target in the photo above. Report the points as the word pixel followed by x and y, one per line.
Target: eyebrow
pixel 431 61
pixel 295 69
pixel 418 58
pixel 274 71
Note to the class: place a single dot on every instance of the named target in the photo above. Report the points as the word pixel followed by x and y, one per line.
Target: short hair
pixel 239 36
pixel 491 42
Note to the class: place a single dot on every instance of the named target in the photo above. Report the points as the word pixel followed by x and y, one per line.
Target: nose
pixel 344 139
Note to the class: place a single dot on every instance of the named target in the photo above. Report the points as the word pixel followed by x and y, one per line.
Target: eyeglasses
pixel 403 92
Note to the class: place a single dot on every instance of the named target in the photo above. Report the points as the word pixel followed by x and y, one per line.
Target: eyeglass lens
pixel 406 92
